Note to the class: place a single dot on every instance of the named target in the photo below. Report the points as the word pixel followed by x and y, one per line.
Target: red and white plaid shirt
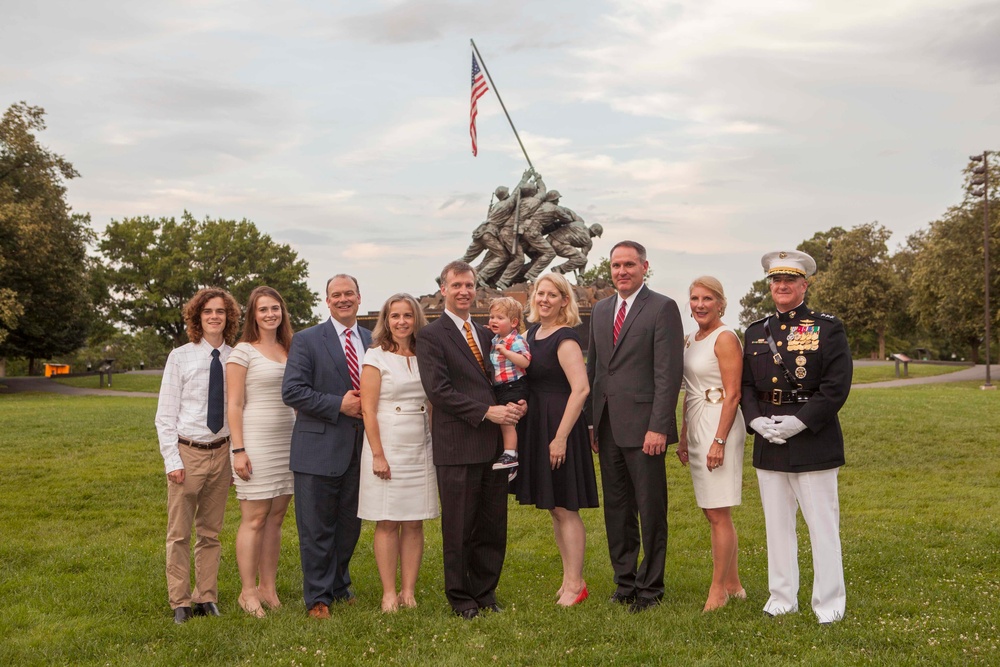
pixel 503 369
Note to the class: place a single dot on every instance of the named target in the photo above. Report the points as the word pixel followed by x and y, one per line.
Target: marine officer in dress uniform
pixel 796 376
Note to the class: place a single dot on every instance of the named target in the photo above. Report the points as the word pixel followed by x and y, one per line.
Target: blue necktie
pixel 216 394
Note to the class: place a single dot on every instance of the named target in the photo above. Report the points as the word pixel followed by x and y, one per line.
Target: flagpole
pixel 502 106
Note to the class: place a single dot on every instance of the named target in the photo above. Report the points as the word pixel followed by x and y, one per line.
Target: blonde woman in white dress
pixel 261 427
pixel 398 480
pixel 712 434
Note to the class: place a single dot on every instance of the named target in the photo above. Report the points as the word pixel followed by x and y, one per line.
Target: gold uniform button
pixel 779 343
pixel 774 380
pixel 783 327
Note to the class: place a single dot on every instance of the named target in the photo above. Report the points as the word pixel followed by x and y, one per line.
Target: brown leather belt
pixel 784 397
pixel 215 444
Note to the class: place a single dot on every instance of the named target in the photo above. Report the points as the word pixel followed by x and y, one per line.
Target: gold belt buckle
pixel 776 396
pixel 720 391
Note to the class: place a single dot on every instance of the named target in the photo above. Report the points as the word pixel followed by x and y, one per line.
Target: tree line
pixel 66 289
pixel 927 295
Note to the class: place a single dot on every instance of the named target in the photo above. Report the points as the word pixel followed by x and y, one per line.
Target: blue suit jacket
pixel 316 379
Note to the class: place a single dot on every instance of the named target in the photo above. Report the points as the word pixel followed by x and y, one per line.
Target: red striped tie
pixel 352 360
pixel 619 320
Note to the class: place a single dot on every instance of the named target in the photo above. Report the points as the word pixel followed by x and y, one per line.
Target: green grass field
pixel 119 382
pixel 887 371
pixel 82 539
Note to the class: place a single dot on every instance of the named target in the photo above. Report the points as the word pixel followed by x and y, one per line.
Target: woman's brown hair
pixel 251 332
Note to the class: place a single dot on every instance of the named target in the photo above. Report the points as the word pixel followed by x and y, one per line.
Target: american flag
pixel 479 89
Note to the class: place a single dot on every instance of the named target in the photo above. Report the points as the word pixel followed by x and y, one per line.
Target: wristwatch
pixel 719 440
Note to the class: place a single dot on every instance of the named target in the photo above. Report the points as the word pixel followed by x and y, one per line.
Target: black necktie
pixel 216 394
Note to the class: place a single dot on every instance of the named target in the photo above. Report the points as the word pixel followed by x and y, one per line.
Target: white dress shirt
pixel 182 409
pixel 356 341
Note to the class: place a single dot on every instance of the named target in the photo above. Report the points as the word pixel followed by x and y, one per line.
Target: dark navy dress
pixel 573 485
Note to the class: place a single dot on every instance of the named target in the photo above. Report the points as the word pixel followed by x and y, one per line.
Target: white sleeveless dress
pixel 404 429
pixel 722 487
pixel 267 427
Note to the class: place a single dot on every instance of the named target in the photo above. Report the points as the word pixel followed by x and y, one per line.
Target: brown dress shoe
pixel 319 610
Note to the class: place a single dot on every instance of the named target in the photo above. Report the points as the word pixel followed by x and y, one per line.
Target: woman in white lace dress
pixel 398 482
pixel 261 427
pixel 712 435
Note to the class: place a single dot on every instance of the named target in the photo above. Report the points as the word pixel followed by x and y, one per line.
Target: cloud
pixel 422 21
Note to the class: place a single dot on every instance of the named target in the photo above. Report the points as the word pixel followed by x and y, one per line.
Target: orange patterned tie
pixel 472 346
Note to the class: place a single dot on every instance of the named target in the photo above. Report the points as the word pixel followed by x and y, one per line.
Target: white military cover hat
pixel 788 262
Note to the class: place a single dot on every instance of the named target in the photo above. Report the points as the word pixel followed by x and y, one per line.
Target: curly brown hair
pixel 193 308
pixel 251 332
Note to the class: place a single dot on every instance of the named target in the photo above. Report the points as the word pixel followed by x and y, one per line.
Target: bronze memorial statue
pixel 525 231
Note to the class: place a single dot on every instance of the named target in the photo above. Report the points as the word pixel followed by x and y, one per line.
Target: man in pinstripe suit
pixel 453 355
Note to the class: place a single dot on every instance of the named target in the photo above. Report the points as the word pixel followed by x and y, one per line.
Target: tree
pixel 10 311
pixel 599 271
pixel 946 287
pixel 44 308
pixel 153 266
pixel 757 303
pixel 858 283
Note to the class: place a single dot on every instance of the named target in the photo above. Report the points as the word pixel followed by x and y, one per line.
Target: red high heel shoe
pixel 581 597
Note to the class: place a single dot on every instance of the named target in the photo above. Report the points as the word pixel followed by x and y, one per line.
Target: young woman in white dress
pixel 261 427
pixel 712 434
pixel 398 480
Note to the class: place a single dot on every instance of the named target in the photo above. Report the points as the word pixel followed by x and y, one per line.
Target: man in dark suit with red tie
pixel 322 383
pixel 635 364
pixel 454 360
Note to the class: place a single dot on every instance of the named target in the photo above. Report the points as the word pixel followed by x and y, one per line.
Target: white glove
pixel 761 425
pixel 784 427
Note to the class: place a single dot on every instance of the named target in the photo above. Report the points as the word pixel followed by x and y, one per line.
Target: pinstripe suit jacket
pixel 460 393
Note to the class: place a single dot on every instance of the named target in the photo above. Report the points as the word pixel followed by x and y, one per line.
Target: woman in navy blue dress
pixel 556 464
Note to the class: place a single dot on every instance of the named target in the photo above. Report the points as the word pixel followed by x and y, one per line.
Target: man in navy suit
pixel 453 353
pixel 321 383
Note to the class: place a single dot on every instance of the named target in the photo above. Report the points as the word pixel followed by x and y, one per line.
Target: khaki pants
pixel 201 501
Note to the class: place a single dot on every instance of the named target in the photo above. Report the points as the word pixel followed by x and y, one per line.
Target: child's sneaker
pixel 505 461
pixel 511 475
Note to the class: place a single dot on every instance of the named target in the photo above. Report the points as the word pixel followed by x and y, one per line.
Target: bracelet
pixel 239 451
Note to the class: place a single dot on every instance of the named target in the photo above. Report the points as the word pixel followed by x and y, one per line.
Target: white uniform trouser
pixel 781 493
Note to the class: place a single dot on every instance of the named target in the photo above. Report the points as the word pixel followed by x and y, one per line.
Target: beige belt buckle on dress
pixel 720 394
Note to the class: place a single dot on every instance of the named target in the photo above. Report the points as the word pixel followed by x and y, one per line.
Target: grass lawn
pixel 887 371
pixel 119 382
pixel 82 539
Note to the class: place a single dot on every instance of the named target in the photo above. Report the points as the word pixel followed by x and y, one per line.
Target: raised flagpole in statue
pixel 527 228
pixel 483 89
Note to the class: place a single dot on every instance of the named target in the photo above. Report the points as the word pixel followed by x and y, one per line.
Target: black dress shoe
pixel 468 614
pixel 495 608
pixel 206 609
pixel 182 614
pixel 621 598
pixel 642 604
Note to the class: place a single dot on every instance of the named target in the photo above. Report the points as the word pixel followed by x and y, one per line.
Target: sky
pixel 711 131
